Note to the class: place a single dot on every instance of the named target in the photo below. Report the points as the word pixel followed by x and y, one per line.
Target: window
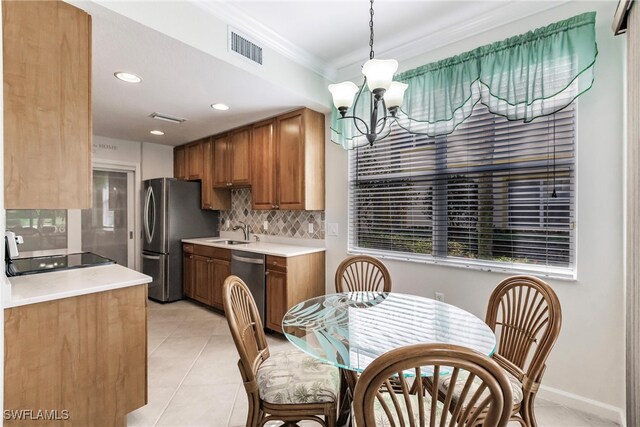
pixel 494 194
pixel 41 229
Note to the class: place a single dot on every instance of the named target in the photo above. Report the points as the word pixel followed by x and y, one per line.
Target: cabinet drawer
pixel 276 263
pixel 211 252
pixel 187 248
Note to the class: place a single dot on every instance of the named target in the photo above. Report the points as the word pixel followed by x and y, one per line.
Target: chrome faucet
pixel 245 229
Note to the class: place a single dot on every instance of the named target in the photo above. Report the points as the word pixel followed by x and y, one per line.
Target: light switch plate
pixel 332 229
pixel 265 225
pixel 310 228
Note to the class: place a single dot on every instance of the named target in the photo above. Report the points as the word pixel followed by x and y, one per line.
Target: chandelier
pixel 385 95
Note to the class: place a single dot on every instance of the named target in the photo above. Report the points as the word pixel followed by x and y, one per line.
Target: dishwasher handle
pixel 248 260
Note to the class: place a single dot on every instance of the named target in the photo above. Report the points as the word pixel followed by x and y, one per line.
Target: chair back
pixel 525 314
pixel 387 393
pixel 246 327
pixel 362 273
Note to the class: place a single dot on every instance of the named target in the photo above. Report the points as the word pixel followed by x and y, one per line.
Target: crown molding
pixel 402 47
pixel 262 34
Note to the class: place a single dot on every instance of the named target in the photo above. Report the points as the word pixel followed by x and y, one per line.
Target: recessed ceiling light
pixel 127 77
pixel 221 107
pixel 156 132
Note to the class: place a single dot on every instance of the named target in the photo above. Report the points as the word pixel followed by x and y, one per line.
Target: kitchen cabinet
pixel 195 161
pixel 263 165
pixel 188 271
pixel 212 198
pixel 180 162
pixel 291 281
pixel 231 159
pixel 85 354
pixel 47 105
pixel 287 156
pixel 204 271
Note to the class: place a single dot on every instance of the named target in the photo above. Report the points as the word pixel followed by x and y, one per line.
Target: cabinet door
pixel 47 105
pixel 239 161
pixel 263 150
pixel 207 175
pixel 179 159
pixel 221 162
pixel 221 270
pixel 202 279
pixel 195 164
pixel 187 275
pixel 290 161
pixel 276 299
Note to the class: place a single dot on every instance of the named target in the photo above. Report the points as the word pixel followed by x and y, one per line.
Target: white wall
pixel 586 367
pixel 157 161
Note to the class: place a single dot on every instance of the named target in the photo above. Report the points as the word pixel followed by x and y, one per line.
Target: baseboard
pixel 580 403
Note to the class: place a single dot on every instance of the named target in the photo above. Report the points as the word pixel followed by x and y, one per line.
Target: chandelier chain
pixel 371 54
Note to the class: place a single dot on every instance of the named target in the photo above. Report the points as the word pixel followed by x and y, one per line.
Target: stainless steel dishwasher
pixel 250 267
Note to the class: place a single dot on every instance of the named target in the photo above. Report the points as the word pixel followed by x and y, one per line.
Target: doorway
pixel 108 227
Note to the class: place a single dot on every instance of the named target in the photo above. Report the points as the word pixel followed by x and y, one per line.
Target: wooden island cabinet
pixel 86 355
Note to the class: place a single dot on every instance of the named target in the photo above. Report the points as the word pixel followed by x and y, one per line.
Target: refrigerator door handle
pixel 155 258
pixel 149 211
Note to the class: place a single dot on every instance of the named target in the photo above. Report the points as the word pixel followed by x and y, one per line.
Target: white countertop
pixel 267 248
pixel 34 288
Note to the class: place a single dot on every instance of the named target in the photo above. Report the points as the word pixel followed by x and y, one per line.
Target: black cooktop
pixel 44 264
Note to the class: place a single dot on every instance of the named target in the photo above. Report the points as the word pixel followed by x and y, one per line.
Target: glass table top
pixel 350 330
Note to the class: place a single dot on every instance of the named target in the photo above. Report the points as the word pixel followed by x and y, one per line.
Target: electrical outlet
pixel 265 225
pixel 227 223
pixel 332 229
pixel 440 296
pixel 310 228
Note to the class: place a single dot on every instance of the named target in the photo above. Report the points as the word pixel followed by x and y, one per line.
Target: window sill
pixel 545 272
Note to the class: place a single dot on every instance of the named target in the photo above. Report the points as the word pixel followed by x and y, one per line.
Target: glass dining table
pixel 350 330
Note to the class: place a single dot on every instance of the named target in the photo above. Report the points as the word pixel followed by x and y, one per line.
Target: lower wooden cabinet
pixel 86 355
pixel 290 281
pixel 204 271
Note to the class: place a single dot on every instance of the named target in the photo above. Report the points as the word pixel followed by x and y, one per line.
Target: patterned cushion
pixel 516 386
pixel 382 419
pixel 294 377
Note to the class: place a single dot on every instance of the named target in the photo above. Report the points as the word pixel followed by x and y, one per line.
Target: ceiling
pixel 183 81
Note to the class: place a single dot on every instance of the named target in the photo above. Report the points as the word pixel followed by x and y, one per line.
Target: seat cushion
pixel 294 377
pixel 516 386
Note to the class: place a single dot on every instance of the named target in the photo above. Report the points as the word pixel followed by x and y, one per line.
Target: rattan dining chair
pixel 524 312
pixel 289 386
pixel 362 273
pixel 387 395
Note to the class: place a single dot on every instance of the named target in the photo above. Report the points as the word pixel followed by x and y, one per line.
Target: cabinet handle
pixel 228 183
pixel 266 273
pixel 190 256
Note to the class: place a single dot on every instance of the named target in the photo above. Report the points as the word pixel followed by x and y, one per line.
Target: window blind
pixel 495 193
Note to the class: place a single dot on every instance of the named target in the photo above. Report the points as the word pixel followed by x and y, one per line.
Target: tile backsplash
pixel 281 223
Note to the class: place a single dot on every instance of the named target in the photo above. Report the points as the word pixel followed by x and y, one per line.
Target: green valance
pixel 521 78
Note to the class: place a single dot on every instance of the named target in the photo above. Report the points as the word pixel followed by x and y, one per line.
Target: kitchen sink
pixel 228 242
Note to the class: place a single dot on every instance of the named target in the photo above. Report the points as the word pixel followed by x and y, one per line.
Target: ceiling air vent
pixel 242 46
pixel 167 118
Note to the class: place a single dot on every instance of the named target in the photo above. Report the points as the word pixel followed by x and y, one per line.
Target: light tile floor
pixel 194 378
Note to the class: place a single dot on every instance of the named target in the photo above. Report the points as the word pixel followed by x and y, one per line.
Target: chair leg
pixel 331 418
pixel 527 411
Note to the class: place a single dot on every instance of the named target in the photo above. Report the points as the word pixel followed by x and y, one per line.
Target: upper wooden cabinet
pixel 231 159
pixel 212 198
pixel 195 162
pixel 47 105
pixel 287 158
pixel 263 165
pixel 180 162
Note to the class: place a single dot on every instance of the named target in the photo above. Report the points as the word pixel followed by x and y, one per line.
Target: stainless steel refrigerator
pixel 171 213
